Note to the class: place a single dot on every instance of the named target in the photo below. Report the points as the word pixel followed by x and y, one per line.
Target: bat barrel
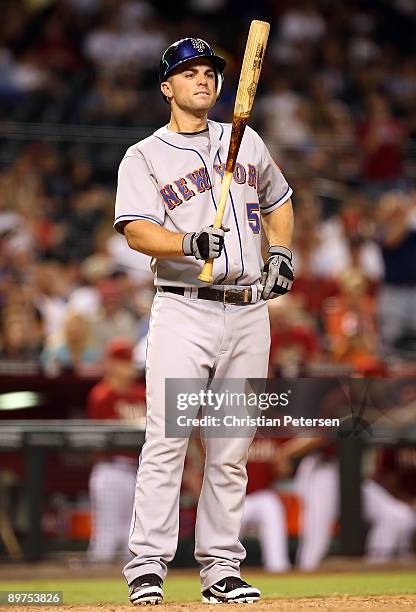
pixel 247 86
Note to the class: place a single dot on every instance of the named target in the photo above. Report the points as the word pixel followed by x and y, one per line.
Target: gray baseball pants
pixel 194 338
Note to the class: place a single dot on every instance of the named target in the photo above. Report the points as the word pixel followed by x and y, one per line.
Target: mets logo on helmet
pixel 198 44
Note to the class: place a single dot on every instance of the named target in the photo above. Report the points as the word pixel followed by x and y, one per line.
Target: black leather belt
pixel 226 296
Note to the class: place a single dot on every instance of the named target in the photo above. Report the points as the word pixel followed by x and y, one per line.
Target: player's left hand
pixel 278 274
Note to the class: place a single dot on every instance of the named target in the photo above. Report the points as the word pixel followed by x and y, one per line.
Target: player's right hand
pixel 206 244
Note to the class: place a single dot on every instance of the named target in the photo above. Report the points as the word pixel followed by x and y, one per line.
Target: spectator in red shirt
pixel 112 482
pixel 382 138
pixel 55 48
pixel 294 340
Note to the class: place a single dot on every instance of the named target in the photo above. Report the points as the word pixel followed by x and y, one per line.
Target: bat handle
pixel 206 275
pixel 206 272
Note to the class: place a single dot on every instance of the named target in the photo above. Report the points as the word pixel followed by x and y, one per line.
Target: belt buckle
pixel 245 293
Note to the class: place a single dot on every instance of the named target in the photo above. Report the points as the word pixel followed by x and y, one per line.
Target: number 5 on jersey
pixel 253 216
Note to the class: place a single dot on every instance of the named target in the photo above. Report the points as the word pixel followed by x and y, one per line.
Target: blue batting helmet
pixel 190 48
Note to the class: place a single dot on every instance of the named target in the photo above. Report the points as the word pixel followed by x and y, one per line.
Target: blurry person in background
pixel 50 291
pixel 331 253
pixel 72 350
pixel 396 216
pixel 349 321
pixel 113 319
pixel 21 327
pixel 18 343
pixel 284 117
pixel 382 137
pixel 118 396
pixel 301 22
pixel 294 340
pixel 55 48
pixel 85 296
pixel 391 521
pixel 81 174
pixel 86 211
pixel 263 508
pixel 135 264
pixel 396 473
pixel 312 286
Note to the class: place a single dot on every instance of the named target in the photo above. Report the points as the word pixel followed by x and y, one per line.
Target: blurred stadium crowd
pixel 337 108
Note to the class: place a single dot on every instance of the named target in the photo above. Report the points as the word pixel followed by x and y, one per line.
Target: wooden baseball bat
pixel 247 85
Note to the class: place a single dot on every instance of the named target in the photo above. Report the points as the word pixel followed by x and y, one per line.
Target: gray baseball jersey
pixel 175 181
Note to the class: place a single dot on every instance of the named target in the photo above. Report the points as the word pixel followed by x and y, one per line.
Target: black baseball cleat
pixel 231 590
pixel 146 589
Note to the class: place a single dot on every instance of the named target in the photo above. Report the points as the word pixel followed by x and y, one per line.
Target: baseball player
pixel 263 508
pixel 391 521
pixel 168 188
pixel 116 397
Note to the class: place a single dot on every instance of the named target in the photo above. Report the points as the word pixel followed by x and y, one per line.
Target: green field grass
pixel 179 589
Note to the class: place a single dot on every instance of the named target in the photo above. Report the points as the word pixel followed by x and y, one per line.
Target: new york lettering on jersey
pixel 180 190
pixel 175 181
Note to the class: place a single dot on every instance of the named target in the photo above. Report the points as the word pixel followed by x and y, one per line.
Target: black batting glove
pixel 278 274
pixel 206 244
